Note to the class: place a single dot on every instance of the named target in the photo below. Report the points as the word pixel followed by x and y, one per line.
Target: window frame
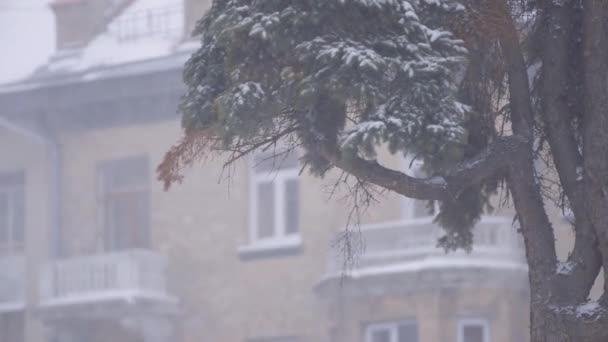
pixel 278 178
pixel 106 192
pixel 391 326
pixel 462 323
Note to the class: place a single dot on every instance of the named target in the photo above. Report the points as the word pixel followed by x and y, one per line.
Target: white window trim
pixel 280 237
pixel 477 322
pixel 392 326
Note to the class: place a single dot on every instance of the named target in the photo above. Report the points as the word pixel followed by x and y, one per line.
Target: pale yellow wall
pixel 436 312
pixel 201 224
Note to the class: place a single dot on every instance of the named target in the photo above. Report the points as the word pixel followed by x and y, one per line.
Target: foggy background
pixel 93 249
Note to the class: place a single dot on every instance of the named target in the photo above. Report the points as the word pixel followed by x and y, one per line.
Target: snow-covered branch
pixel 440 187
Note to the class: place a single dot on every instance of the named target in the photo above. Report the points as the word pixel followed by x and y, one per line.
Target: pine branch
pixel 491 161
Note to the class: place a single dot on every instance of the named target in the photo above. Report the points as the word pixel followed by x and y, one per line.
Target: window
pixel 413 209
pixel 392 332
pixel 274 198
pixel 124 202
pixel 473 331
pixel 12 212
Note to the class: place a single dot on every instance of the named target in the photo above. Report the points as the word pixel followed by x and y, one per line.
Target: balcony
pixel 147 20
pixel 131 276
pixel 12 283
pixel 411 246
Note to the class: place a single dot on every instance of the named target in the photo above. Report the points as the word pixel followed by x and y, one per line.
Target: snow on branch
pixel 466 174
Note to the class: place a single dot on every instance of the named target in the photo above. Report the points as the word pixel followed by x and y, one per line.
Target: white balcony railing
pixel 147 21
pixel 12 283
pixel 127 275
pixel 412 245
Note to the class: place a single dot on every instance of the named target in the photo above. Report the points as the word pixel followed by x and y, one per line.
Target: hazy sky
pixel 26 36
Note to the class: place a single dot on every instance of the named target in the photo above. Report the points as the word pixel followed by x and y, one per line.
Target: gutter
pixel 173 61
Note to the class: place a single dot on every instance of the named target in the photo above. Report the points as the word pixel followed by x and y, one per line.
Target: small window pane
pixel 125 201
pixel 472 333
pixel 407 333
pixel 380 335
pixel 292 206
pixel 265 210
pixel 127 221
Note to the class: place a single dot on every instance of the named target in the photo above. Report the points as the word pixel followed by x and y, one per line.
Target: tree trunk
pixel 558 308
pixel 595 137
pixel 545 327
pixel 550 325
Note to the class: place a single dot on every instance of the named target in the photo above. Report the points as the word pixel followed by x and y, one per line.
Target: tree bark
pixel 559 309
pixel 560 31
pixel 473 171
pixel 595 139
pixel 557 312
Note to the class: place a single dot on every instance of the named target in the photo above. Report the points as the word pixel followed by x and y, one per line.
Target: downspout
pixel 55 198
pixel 54 185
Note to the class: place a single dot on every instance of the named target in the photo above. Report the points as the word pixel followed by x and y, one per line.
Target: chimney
pixel 78 21
pixel 193 11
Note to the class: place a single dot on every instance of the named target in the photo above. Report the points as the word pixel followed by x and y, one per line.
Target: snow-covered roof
pixel 147 35
pixel 174 61
pixel 146 29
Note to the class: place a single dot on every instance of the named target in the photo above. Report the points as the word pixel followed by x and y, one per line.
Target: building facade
pixel 92 248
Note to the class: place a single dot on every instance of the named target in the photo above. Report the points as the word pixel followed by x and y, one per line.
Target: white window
pixel 417 209
pixel 12 213
pixel 274 205
pixel 124 203
pixel 405 331
pixel 473 330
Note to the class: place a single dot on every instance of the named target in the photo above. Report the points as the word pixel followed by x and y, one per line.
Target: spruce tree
pixel 484 92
